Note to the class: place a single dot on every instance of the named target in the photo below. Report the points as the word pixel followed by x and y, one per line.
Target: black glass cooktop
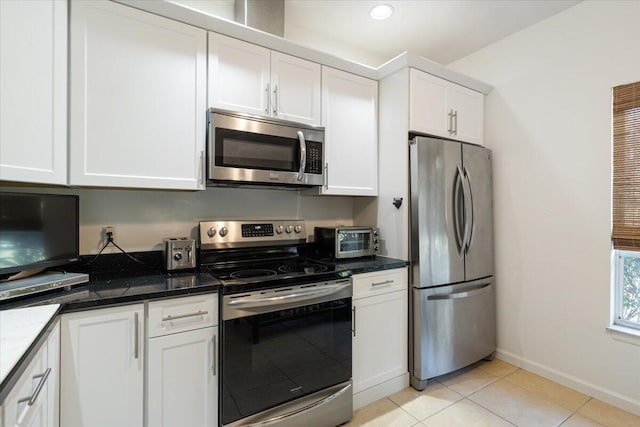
pixel 241 276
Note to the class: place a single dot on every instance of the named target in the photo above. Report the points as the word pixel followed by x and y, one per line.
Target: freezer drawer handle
pixel 456 295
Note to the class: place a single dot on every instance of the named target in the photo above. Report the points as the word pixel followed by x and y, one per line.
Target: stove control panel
pixel 230 234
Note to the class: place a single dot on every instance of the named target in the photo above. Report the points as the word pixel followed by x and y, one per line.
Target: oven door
pixel 246 148
pixel 281 350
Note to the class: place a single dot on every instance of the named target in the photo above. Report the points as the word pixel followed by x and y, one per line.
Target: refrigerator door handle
pixel 468 210
pixel 457 226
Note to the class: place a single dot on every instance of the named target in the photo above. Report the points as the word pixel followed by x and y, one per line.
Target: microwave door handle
pixel 303 155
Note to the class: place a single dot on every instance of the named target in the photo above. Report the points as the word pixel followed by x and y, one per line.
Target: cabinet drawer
pixel 27 399
pixel 379 282
pixel 182 314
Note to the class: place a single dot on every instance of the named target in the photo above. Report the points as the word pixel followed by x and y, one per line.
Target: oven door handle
pixel 285 298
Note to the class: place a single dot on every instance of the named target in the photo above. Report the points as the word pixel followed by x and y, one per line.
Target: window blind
pixel 626 167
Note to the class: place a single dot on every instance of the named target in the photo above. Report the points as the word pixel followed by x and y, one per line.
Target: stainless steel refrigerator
pixel 452 296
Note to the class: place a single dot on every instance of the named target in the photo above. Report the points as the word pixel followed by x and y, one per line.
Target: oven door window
pixel 354 241
pixel 272 358
pixel 256 151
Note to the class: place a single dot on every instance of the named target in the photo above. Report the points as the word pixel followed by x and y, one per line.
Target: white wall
pixel 143 217
pixel 548 122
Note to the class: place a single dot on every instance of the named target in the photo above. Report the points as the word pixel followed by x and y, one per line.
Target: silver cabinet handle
pixel 326 176
pixel 303 155
pixel 353 312
pixel 455 122
pixel 450 130
pixel 34 396
pixel 184 316
pixel 203 167
pixel 275 100
pixel 386 282
pixel 136 338
pixel 266 107
pixel 215 354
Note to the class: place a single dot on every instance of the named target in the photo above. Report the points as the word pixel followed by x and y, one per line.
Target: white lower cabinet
pixel 182 379
pixel 102 367
pixel 380 359
pixel 33 400
pixel 182 363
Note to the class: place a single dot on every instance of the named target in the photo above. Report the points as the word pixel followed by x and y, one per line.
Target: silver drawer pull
pixel 386 282
pixel 184 316
pixel 43 379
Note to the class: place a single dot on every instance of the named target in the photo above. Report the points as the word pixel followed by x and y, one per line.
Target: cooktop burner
pixel 304 266
pixel 252 273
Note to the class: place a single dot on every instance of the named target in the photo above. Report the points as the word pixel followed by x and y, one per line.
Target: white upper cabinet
pixel 239 75
pixel 350 118
pixel 441 108
pixel 33 88
pixel 137 99
pixel 251 79
pixel 295 89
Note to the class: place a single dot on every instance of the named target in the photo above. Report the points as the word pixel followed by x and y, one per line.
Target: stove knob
pixel 223 231
pixel 177 256
pixel 279 229
pixel 297 228
pixel 288 229
pixel 211 232
pixel 375 249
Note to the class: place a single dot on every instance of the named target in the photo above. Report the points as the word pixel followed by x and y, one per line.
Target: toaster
pixel 179 253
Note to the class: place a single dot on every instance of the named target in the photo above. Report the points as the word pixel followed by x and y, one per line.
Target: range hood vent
pixel 264 15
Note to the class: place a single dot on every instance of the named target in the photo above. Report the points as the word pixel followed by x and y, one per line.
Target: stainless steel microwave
pixel 246 149
pixel 346 242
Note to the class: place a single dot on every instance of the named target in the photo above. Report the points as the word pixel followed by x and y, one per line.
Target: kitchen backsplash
pixel 143 217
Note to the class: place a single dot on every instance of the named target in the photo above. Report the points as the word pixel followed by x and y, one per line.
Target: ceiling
pixel 440 30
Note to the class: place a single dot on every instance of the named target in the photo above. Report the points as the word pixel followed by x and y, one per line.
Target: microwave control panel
pixel 314 157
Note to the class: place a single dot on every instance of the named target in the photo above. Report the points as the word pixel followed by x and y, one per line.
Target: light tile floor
pixel 491 394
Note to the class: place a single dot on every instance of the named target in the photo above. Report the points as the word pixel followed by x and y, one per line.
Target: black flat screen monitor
pixel 37 231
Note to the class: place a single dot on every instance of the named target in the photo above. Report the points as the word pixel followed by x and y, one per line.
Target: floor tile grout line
pixel 494 413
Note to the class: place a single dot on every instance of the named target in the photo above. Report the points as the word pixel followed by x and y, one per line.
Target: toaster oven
pixel 346 242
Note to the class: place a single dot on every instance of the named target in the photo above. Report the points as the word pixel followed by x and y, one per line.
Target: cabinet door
pixel 468 106
pixel 31 385
pixel 101 381
pixel 138 99
pixel 182 379
pixel 295 89
pixel 350 118
pixel 239 74
pixel 428 104
pixel 33 84
pixel 380 339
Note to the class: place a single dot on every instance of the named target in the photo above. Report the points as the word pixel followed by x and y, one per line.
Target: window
pixel 625 235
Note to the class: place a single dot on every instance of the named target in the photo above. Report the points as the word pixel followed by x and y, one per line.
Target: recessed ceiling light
pixel 381 11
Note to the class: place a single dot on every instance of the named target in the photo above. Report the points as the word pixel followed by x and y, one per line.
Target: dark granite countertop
pixel 369 264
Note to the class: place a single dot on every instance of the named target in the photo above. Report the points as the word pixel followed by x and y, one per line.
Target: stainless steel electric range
pixel 285 329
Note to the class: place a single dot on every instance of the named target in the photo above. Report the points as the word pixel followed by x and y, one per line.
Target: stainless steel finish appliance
pixel 346 242
pixel 285 326
pixel 179 253
pixel 245 149
pixel 452 300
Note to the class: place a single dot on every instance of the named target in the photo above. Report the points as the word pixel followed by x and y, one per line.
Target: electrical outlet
pixel 106 230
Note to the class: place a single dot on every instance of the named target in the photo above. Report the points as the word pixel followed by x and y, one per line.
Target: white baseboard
pixel 380 391
pixel 611 397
